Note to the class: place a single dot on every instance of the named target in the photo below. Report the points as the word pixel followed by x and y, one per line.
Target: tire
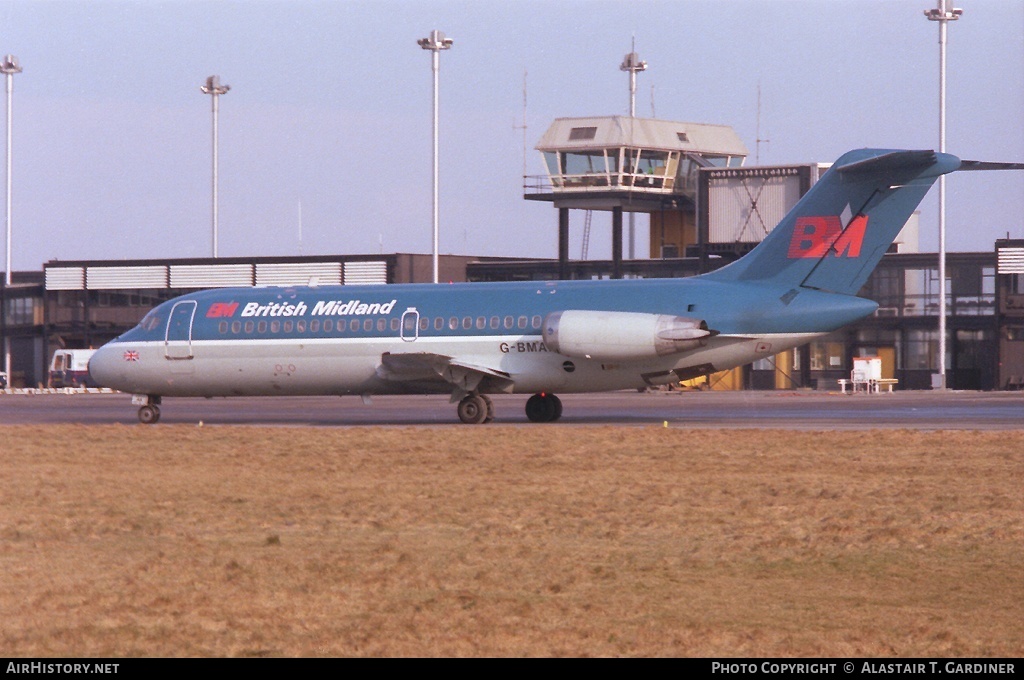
pixel 149 415
pixel 473 410
pixel 543 408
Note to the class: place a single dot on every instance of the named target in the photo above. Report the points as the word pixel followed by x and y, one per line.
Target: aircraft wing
pixel 463 377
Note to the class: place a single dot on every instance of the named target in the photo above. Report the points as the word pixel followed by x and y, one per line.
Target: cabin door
pixel 178 340
pixel 410 325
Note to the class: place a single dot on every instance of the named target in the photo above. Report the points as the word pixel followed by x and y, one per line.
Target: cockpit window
pixel 150 322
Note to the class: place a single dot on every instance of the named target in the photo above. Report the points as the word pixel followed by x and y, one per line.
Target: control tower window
pixel 582 133
pixel 648 169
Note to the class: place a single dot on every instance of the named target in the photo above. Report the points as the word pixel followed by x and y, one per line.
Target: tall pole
pixel 435 43
pixel 215 90
pixel 942 14
pixel 633 65
pixel 9 67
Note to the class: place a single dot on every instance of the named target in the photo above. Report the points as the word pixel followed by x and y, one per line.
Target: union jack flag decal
pixel 131 355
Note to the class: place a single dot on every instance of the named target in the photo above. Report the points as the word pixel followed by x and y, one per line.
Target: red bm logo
pixel 817 236
pixel 218 309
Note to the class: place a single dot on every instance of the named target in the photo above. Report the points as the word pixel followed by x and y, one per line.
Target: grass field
pixel 123 541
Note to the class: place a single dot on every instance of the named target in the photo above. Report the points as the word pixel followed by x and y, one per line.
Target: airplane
pixel 471 340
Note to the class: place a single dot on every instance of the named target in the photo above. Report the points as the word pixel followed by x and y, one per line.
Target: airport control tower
pixel 625 164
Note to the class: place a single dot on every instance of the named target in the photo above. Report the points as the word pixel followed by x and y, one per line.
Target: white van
pixel 70 368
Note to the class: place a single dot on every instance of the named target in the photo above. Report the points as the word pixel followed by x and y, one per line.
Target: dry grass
pixel 544 540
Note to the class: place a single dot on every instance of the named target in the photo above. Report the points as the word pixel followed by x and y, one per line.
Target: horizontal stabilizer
pixel 988 165
pixel 895 160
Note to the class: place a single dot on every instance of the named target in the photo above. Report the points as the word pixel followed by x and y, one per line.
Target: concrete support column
pixel 563 243
pixel 617 242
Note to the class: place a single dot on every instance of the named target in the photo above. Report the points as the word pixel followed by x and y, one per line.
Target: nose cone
pixel 107 366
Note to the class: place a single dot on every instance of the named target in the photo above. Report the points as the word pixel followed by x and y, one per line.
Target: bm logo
pixel 817 236
pixel 221 309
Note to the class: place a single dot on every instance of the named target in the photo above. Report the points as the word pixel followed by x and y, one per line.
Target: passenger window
pixel 300 326
pixel 222 327
pixel 236 326
pixel 314 326
pixel 467 322
pixel 522 322
pixel 249 327
pixel 453 323
pixel 495 322
pixel 329 326
pixel 262 326
pixel 481 323
pixel 509 322
pixel 536 321
pixel 438 323
pixel 275 326
pixel 424 324
pixel 382 325
pixel 288 325
pixel 354 325
pixel 368 325
pixel 394 324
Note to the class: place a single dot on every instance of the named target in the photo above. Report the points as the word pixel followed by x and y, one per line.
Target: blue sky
pixel 330 110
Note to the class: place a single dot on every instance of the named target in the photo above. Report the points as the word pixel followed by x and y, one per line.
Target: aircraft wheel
pixel 473 410
pixel 149 414
pixel 543 408
pixel 490 408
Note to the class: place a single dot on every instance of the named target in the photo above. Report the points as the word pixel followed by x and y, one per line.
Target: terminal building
pixel 690 187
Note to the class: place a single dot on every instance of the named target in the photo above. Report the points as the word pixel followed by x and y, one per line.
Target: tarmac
pixel 801 410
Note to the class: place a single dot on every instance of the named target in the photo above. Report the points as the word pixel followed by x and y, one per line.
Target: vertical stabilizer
pixel 834 237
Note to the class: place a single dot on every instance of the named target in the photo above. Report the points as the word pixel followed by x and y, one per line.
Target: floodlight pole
pixel 633 65
pixel 215 90
pixel 435 42
pixel 9 67
pixel 942 14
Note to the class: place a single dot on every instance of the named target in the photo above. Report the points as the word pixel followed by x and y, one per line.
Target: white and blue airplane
pixel 474 339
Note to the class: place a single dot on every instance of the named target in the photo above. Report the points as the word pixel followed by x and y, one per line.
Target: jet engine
pixel 622 335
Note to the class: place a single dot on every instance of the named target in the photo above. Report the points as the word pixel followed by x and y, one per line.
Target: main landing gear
pixel 475 409
pixel 149 408
pixel 543 407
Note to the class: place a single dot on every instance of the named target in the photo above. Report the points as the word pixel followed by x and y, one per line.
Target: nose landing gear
pixel 149 408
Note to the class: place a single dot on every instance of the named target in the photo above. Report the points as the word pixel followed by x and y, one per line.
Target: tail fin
pixel 834 237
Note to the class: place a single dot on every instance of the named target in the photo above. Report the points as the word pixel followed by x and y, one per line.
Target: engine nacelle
pixel 622 335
